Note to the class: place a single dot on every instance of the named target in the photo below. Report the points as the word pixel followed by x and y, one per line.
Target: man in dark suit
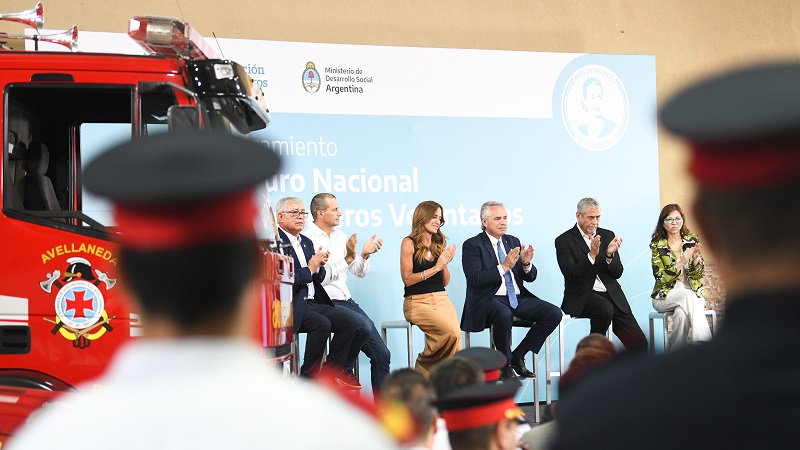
pixel 743 132
pixel 496 265
pixel 196 377
pixel 314 313
pixel 589 260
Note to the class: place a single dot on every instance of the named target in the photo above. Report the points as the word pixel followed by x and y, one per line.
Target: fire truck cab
pixel 62 312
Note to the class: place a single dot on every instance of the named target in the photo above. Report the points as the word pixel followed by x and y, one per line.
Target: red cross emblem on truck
pixel 79 303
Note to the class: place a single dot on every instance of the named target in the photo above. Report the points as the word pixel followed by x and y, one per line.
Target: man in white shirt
pixel 314 313
pixel 342 260
pixel 196 378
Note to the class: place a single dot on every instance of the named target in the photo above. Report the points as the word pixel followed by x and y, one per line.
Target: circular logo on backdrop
pixel 594 107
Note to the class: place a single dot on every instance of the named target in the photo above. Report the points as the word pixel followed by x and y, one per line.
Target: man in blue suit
pixel 314 313
pixel 496 265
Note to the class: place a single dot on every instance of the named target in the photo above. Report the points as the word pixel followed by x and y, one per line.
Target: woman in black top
pixel 424 256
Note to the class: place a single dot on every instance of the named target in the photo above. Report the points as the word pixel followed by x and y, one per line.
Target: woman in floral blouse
pixel 678 269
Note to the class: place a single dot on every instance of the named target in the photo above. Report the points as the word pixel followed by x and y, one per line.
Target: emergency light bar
pixel 169 37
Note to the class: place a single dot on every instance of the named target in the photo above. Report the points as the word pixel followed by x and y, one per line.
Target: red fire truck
pixel 62 312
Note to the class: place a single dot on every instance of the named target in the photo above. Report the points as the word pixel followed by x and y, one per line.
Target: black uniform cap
pixel 751 103
pixel 480 405
pixel 182 188
pixel 743 126
pixel 490 360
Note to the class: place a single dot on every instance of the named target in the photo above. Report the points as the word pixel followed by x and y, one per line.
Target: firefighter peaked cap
pixel 743 127
pixel 490 360
pixel 477 406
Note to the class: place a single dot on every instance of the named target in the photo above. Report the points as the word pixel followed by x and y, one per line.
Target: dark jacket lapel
pixel 489 247
pixel 578 237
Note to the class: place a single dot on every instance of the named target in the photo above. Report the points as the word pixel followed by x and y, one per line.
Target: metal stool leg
pixel 561 344
pixel 548 380
pixel 409 336
pixel 535 380
pixel 652 336
pixel 296 354
pixel 537 415
pixel 713 314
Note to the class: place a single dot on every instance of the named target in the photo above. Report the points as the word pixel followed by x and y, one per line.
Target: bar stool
pixel 665 319
pixel 517 322
pixel 296 355
pixel 409 336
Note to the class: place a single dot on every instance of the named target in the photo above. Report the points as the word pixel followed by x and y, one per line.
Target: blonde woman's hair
pixel 422 214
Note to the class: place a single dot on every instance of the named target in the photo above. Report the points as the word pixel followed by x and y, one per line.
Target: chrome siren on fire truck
pixel 34 18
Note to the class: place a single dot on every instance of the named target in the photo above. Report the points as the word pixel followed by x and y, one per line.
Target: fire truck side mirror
pixel 183 118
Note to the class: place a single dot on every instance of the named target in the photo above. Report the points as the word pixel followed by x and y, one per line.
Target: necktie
pixel 512 296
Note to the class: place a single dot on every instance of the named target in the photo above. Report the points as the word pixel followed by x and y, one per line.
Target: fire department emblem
pixel 79 304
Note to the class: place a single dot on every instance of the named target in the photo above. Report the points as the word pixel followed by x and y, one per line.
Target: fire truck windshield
pixel 54 130
pixel 56 126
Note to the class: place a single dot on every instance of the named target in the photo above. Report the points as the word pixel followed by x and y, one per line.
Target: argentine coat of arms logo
pixel 311 79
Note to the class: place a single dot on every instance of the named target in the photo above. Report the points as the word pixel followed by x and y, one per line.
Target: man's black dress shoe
pixel 349 379
pixel 506 373
pixel 519 366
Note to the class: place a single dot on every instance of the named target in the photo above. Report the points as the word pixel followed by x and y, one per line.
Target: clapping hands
pixel 693 253
pixel 318 260
pixel 371 246
pixel 511 258
pixel 447 255
pixel 526 254
pixel 614 245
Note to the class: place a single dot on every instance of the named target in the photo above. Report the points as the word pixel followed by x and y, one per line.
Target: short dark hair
pixel 319 203
pixel 754 223
pixel 413 390
pixel 191 286
pixel 477 438
pixel 455 373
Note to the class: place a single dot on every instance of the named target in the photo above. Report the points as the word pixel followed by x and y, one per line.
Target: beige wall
pixel 690 38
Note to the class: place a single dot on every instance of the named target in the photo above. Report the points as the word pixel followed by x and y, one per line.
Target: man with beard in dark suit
pixel 742 128
pixel 589 260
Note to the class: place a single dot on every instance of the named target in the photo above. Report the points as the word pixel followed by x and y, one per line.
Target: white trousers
pixel 687 310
